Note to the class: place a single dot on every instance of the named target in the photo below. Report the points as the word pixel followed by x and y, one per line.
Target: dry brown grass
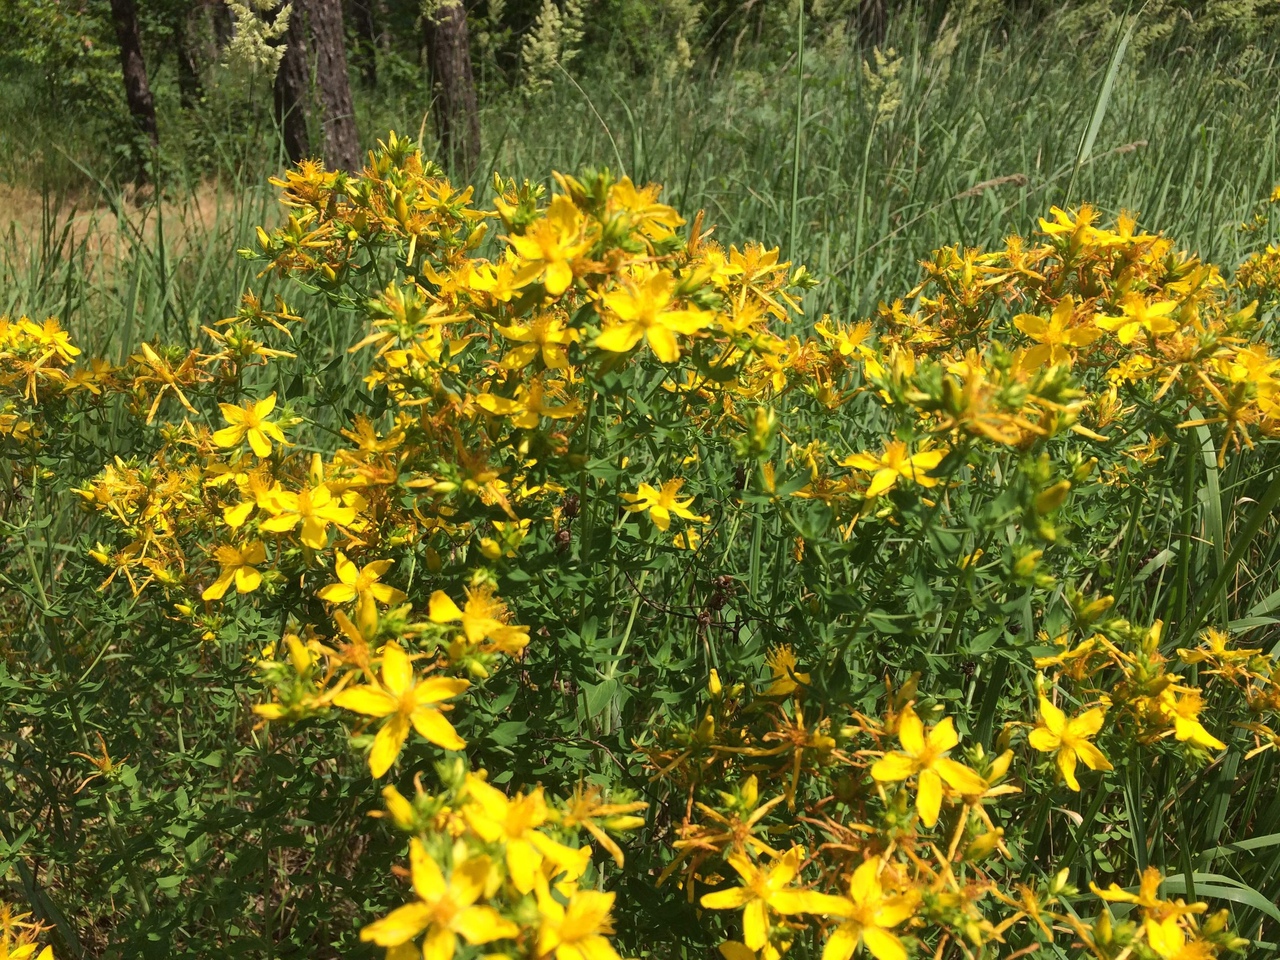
pixel 35 227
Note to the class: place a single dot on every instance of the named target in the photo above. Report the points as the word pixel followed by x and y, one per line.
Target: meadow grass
pixel 980 135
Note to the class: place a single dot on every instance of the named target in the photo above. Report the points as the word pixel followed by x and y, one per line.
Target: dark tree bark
pixel 333 87
pixel 190 89
pixel 453 100
pixel 291 87
pixel 872 21
pixel 365 56
pixel 137 91
pixel 221 25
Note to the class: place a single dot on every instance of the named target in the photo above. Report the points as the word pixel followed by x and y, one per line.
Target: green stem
pixel 795 156
pixel 1260 515
pixel 584 508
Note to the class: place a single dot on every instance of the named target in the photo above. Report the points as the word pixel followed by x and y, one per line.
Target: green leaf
pixel 1224 888
pixel 600 695
pixel 508 733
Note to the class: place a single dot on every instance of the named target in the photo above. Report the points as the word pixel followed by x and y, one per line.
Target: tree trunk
pixel 872 22
pixel 366 51
pixel 221 25
pixel 341 146
pixel 190 89
pixel 137 91
pixel 453 88
pixel 291 87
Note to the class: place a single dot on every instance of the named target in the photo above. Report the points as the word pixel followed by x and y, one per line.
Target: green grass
pixel 983 142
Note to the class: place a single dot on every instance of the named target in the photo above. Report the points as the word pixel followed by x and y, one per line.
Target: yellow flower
pixel 586 806
pixel 1165 935
pixel 314 507
pixel 1055 335
pixel 687 539
pixel 239 565
pixel 250 420
pixel 545 335
pixel 578 930
pixel 925 756
pixel 362 586
pixel 483 620
pixel 529 405
pixel 549 246
pixel 867 917
pixel 1139 315
pixel 643 310
pixel 782 664
pixel 23 951
pixel 1069 739
pixel 1182 705
pixel 895 464
pixel 512 821
pixel 845 340
pixel 446 909
pixel 662 504
pixel 1079 231
pixel 768 889
pixel 652 220
pixel 407 702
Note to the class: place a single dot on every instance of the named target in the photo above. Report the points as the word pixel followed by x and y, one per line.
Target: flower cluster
pixel 893 834
pixel 492 869
pixel 553 389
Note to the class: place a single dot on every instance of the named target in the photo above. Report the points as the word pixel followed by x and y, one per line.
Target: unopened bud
pixel 1051 499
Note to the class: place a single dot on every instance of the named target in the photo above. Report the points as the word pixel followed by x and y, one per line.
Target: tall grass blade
pixel 1085 149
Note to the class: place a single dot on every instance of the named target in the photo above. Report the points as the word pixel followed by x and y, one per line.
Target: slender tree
pixel 333 86
pixel 137 89
pixel 453 87
pixel 185 22
pixel 291 87
pixel 365 55
pixel 872 21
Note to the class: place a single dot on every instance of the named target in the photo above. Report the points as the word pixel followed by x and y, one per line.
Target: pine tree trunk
pixel 366 52
pixel 291 87
pixel 872 22
pixel 190 89
pixel 221 25
pixel 341 146
pixel 453 86
pixel 137 91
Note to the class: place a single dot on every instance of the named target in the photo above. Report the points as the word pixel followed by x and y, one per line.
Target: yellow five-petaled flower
pixel 314 507
pixel 662 504
pixel 1055 336
pixel 250 421
pixel 513 822
pixel 446 909
pixel 644 310
pixel 896 463
pixel 549 246
pixel 867 916
pixel 239 565
pixel 1068 738
pixel 579 929
pixel 406 701
pixel 768 888
pixel 361 585
pixel 925 757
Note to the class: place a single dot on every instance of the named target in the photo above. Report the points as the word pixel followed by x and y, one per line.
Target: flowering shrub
pixel 606 538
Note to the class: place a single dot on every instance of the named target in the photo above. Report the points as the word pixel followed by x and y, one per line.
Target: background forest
pixel 452 546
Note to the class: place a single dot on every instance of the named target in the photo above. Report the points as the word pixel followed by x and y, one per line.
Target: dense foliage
pixel 649 615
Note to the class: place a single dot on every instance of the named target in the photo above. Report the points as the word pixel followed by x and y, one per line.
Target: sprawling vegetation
pixel 862 544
